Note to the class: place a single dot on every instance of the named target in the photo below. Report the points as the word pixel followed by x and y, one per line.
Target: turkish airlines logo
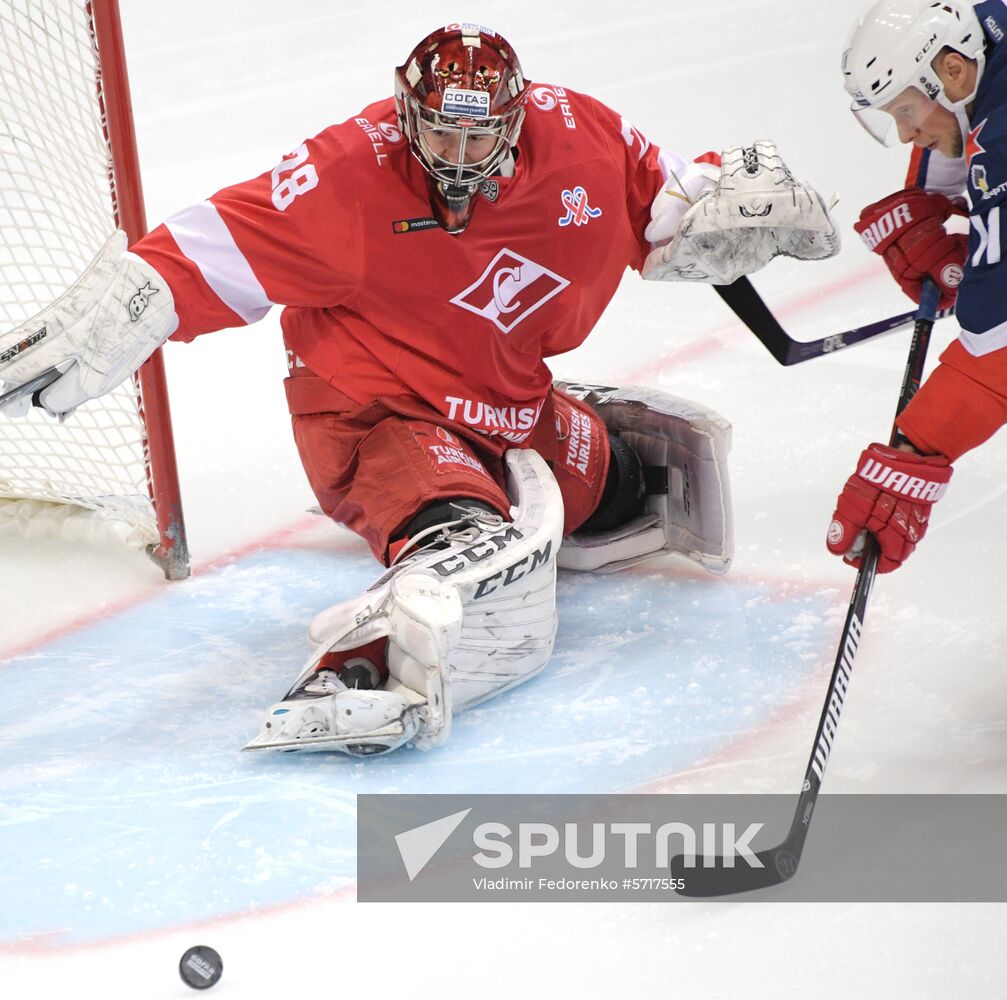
pixel 510 290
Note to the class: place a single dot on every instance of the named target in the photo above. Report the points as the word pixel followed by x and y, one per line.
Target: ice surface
pixel 130 827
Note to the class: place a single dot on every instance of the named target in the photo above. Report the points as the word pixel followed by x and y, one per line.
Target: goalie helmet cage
pixel 69 174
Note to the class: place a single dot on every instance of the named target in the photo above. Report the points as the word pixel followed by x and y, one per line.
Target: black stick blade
pixel 700 882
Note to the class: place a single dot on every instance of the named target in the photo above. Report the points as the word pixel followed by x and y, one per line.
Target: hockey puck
pixel 200 967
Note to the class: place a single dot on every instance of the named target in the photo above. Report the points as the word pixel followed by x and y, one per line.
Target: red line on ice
pixel 277 538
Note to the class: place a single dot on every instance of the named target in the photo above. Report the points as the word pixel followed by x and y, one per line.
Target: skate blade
pixel 356 746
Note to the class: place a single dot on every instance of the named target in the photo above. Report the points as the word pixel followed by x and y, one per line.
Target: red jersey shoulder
pixel 365 152
pixel 372 137
pixel 592 127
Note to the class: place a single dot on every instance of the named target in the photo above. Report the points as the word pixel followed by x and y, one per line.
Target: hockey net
pixel 68 177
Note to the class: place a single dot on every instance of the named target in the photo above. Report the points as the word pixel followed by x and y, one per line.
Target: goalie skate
pixel 321 713
pixel 465 620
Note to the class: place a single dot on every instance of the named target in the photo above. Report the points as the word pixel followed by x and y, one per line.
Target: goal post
pixel 69 175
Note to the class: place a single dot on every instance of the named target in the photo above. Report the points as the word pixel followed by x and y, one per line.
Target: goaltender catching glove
pixel 890 496
pixel 716 228
pixel 907 230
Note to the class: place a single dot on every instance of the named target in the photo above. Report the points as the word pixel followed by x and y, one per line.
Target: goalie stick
pixel 29 388
pixel 780 863
pixel 748 305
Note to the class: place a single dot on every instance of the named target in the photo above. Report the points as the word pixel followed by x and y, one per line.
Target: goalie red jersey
pixel 381 302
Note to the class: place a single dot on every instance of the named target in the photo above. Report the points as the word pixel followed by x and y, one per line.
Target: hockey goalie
pixel 431 252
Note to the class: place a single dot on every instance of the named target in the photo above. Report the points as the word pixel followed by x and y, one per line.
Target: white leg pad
pixel 464 623
pixel 683 447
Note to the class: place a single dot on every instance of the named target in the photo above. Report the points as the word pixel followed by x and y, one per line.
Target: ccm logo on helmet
pixel 879 231
pixel 926 48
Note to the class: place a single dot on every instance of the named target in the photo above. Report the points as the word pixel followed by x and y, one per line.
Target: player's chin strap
pixel 756 211
pixel 687 508
pixel 464 622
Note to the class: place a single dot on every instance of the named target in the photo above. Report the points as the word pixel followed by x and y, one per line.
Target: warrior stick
pixel 780 863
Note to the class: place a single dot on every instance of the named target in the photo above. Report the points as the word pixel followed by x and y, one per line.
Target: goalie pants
pixel 374 466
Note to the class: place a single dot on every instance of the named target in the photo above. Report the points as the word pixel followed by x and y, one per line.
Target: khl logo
pixel 578 211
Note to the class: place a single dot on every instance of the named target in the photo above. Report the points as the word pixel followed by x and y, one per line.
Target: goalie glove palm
pixel 95 335
pixel 756 212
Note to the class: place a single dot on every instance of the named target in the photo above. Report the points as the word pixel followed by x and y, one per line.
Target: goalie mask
pixel 888 66
pixel 460 98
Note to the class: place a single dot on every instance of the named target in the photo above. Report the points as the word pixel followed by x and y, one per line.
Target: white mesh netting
pixel 56 211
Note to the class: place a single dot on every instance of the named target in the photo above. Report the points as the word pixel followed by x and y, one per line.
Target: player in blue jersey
pixel 933 75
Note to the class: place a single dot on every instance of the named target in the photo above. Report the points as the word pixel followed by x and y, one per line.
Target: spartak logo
pixel 510 289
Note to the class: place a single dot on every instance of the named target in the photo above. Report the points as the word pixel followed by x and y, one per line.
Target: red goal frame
pixel 172 552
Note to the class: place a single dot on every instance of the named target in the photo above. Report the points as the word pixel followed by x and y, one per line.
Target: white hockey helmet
pixel 891 50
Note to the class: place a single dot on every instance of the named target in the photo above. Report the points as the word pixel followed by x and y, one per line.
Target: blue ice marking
pixel 126 804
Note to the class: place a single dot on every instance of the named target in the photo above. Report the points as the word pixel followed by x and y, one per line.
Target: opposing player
pixel 933 75
pixel 431 252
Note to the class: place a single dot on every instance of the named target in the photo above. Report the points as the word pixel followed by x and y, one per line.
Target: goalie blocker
pixel 91 338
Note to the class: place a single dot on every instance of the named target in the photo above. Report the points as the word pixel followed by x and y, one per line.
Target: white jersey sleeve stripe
pixel 204 238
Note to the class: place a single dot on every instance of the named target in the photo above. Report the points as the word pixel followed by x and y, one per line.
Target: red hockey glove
pixel 890 497
pixel 907 229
